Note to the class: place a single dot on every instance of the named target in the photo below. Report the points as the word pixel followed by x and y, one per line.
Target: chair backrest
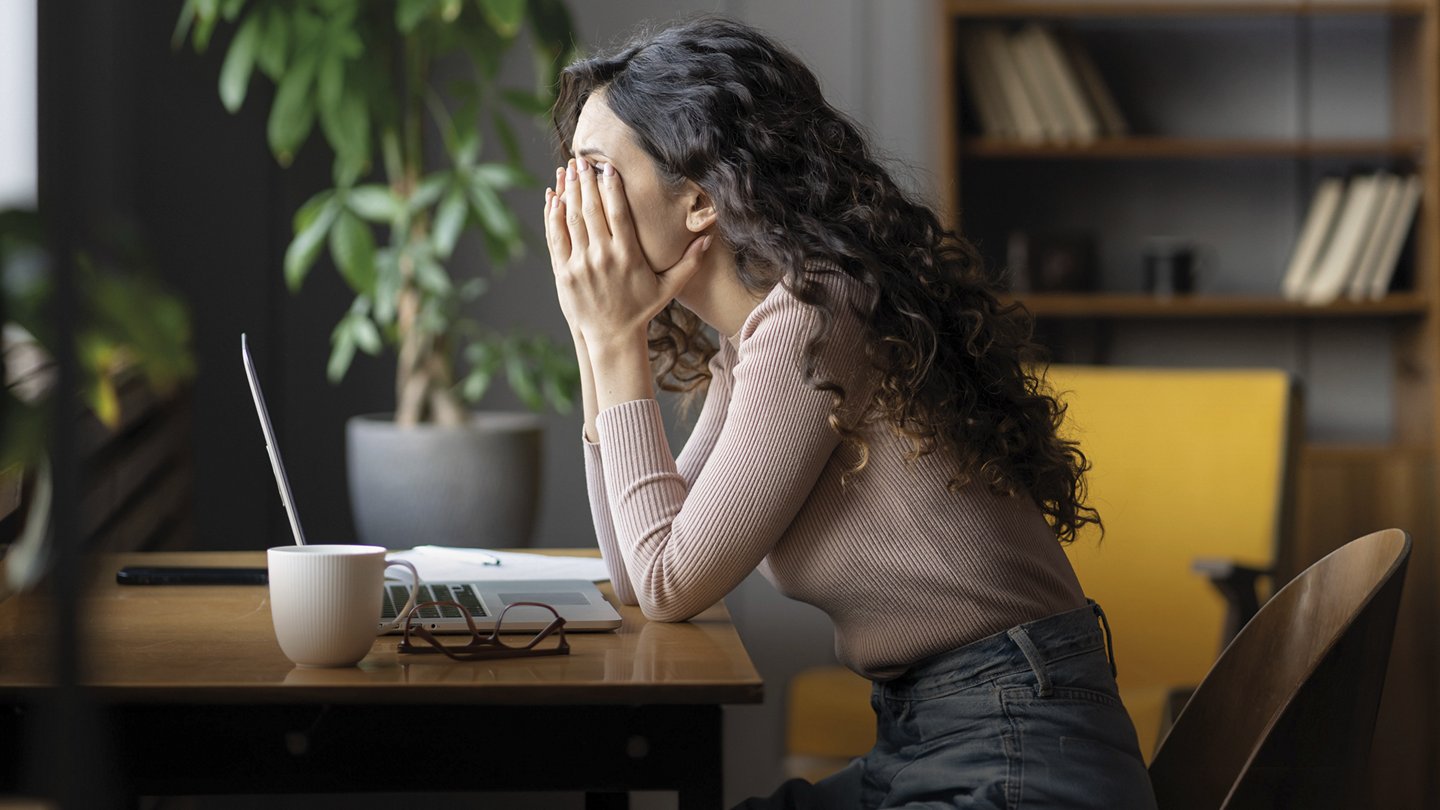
pixel 1285 717
pixel 1186 463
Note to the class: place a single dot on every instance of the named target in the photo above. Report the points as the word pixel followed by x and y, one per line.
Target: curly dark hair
pixel 794 181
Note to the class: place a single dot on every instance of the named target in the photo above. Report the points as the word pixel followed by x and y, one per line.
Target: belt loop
pixel 1109 637
pixel 1027 646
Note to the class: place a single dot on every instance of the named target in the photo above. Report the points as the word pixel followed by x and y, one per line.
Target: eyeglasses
pixel 482 647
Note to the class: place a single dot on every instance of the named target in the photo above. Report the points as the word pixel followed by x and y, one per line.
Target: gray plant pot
pixel 476 485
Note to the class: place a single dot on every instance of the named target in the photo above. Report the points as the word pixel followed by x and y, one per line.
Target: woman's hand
pixel 607 290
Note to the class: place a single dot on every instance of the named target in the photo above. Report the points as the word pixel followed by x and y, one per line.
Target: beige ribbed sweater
pixel 904 568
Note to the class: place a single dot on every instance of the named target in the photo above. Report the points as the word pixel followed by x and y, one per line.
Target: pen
pixel 467 554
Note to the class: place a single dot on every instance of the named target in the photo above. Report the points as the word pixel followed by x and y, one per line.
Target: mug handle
pixel 402 615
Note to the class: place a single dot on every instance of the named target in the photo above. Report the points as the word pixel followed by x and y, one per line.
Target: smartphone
pixel 165 575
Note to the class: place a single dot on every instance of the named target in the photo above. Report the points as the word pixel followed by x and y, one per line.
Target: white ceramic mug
pixel 325 601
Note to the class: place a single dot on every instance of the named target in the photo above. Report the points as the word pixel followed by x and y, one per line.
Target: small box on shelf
pixel 1051 262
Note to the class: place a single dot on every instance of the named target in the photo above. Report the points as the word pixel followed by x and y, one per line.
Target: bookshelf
pixel 1142 306
pixel 1237 110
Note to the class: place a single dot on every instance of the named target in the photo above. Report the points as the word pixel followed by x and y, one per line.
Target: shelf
pixel 1139 306
pixel 999 9
pixel 1332 452
pixel 1150 148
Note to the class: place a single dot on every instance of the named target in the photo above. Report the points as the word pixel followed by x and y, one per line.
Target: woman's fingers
pixel 574 218
pixel 617 211
pixel 590 204
pixel 556 232
pixel 673 279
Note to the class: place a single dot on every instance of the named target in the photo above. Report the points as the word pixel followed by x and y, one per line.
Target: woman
pixel 873 439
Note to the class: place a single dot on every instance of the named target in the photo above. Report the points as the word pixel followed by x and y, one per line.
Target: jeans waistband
pixel 1025 646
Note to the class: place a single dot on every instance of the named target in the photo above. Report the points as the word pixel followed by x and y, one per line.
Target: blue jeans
pixel 1028 718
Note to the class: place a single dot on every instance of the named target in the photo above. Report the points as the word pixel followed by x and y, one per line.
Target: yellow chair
pixel 1191 473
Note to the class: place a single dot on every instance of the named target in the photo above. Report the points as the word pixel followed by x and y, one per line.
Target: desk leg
pixel 703 787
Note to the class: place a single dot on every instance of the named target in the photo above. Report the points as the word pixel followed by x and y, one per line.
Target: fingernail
pixel 581 165
pixel 706 246
pixel 570 172
pixel 609 169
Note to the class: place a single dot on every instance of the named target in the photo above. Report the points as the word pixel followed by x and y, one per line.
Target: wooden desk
pixel 200 699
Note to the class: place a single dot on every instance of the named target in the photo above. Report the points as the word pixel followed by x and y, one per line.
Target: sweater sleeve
pixel 686 547
pixel 692 458
pixel 605 524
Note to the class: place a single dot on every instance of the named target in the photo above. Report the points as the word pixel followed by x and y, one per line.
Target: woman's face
pixel 664 223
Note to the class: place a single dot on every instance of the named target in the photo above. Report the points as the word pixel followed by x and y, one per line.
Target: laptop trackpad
pixel 548 597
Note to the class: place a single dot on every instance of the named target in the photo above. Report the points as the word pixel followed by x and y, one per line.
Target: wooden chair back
pixel 1285 716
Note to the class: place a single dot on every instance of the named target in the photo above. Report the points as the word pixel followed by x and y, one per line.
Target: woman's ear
pixel 702 215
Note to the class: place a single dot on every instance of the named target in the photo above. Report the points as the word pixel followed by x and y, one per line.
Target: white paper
pixel 443 563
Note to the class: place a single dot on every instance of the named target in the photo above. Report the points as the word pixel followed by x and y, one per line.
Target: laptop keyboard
pixel 395 596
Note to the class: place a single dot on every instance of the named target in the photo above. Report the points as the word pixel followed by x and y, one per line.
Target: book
pixel 1017 100
pixel 1319 224
pixel 1084 125
pixel 1397 229
pixel 1112 122
pixel 987 97
pixel 1042 92
pixel 1389 189
pixel 1337 262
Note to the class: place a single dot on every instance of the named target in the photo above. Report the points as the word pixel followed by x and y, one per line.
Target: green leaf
pixel 347 128
pixel 307 213
pixel 207 14
pixel 183 24
pixel 366 336
pixel 476 384
pixel 484 359
pixel 374 202
pixel 517 373
pixel 387 285
pixel 409 13
pixel 274 48
pixel 504 16
pixel 507 137
pixel 239 63
pixel 502 176
pixel 499 223
pixel 432 278
pixel 293 114
pixel 449 220
pixel 550 21
pixel 474 288
pixel 429 191
pixel 554 38
pixel 353 247
pixel 331 79
pixel 526 101
pixel 231 9
pixel 342 352
pixel 305 247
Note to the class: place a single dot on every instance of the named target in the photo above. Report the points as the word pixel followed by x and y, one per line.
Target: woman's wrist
pixel 621 365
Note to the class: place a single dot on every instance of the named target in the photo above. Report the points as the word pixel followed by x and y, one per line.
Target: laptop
pixel 578 601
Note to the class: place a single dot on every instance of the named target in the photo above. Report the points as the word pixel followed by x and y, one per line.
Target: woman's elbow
pixel 667 610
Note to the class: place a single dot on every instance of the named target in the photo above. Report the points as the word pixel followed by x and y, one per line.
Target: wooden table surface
pixel 153 644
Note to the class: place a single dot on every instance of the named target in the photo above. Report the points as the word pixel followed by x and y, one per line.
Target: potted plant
pixel 367 72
